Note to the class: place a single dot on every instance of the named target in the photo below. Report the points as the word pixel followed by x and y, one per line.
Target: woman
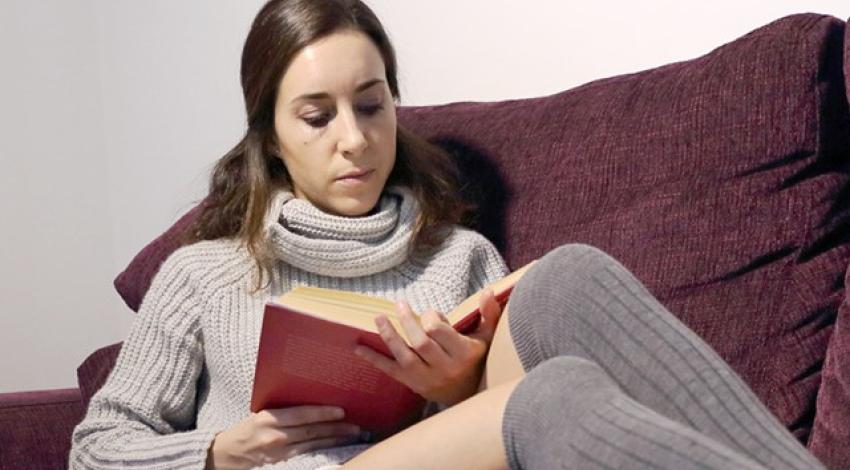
pixel 325 189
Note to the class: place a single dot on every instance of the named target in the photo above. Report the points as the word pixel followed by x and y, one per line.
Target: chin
pixel 355 207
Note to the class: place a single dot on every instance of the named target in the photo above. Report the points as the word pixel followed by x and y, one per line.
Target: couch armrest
pixel 35 428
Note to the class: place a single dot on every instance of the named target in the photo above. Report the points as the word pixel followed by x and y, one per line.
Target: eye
pixel 370 109
pixel 317 120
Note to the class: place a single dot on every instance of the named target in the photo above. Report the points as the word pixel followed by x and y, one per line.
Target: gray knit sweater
pixel 186 370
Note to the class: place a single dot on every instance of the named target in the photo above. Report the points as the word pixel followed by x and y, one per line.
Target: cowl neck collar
pixel 315 241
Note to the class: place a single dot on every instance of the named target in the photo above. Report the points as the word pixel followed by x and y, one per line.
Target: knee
pixel 568 383
pixel 565 266
pixel 552 301
pixel 559 269
pixel 574 259
pixel 584 377
pixel 544 413
pixel 571 301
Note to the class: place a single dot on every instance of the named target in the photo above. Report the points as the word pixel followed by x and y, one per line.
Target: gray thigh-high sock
pixel 578 301
pixel 580 418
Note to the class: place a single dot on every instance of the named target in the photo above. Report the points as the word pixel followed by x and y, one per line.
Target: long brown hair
pixel 244 180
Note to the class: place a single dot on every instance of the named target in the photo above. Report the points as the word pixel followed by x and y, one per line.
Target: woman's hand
pixel 278 434
pixel 441 364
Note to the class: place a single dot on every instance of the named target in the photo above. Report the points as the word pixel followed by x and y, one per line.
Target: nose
pixel 352 140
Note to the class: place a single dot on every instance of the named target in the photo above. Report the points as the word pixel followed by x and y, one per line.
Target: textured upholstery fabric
pixel 35 428
pixel 135 280
pixel 721 182
pixel 831 433
pixel 93 372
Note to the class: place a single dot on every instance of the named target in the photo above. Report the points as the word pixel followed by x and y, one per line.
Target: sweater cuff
pixel 180 450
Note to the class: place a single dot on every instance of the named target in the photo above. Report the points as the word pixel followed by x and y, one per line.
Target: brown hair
pixel 244 180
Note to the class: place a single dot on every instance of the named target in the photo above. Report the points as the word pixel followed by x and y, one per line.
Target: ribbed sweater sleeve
pixel 145 414
pixel 487 265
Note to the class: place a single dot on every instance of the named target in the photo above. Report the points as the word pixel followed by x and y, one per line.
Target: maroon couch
pixel 722 182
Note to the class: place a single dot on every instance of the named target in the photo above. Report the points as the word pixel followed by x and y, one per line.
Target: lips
pixel 356 174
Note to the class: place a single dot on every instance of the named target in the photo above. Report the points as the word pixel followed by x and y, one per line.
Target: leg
pixel 467 435
pixel 566 413
pixel 503 364
pixel 577 301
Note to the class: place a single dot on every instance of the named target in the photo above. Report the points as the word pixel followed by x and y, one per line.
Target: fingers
pixel 276 434
pixel 278 444
pixel 437 327
pixel 272 436
pixel 383 363
pixel 439 362
pixel 419 331
pixel 404 356
pixel 300 415
pixel 308 446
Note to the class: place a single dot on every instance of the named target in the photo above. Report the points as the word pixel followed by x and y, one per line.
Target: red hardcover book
pixel 306 355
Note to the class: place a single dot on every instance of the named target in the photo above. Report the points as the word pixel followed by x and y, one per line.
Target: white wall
pixel 56 240
pixel 496 49
pixel 113 111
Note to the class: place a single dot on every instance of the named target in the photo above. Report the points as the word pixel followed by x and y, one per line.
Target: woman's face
pixel 335 124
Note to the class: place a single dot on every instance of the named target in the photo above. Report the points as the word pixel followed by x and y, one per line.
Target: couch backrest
pixel 831 430
pixel 721 182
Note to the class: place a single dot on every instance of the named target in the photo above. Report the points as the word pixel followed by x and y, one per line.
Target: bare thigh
pixel 503 363
pixel 467 435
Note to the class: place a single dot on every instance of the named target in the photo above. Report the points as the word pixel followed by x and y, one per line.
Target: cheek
pixel 282 137
pixel 385 131
pixel 295 144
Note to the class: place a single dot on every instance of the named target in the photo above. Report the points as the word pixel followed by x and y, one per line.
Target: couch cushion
pixel 134 281
pixel 35 428
pixel 93 372
pixel 714 180
pixel 717 181
pixel 831 435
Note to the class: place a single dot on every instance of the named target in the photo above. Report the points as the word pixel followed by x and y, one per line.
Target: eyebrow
pixel 323 95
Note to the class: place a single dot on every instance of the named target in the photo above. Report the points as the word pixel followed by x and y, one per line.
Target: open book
pixel 306 354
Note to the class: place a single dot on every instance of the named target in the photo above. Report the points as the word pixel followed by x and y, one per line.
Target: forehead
pixel 335 64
